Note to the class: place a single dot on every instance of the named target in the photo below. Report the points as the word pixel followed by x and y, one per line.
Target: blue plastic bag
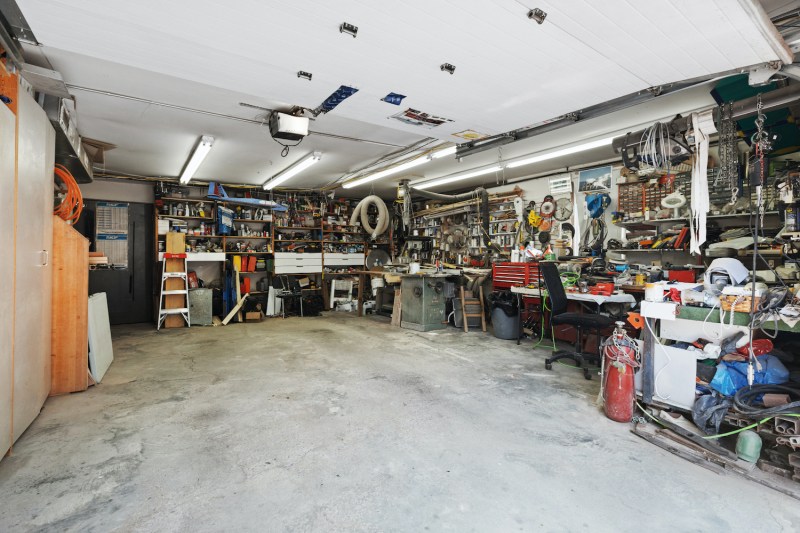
pixel 731 377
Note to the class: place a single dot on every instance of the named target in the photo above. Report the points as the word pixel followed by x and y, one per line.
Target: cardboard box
pixel 253 316
pixel 176 243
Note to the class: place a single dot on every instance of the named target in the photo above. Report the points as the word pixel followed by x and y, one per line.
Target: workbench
pixel 582 298
pixel 668 373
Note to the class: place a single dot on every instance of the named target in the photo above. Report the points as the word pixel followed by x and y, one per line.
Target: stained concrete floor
pixel 344 424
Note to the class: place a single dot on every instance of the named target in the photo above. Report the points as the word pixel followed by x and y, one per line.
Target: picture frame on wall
pixel 595 179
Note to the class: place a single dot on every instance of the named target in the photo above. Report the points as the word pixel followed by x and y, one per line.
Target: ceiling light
pixel 303 74
pixel 293 170
pixel 196 159
pixel 348 28
pixel 537 14
pixel 457 177
pixel 444 153
pixel 447 67
pixel 387 172
pixel 560 153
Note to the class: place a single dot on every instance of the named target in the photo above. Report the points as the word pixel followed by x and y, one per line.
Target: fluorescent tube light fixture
pixel 456 177
pixel 386 172
pixel 444 152
pixel 293 170
pixel 560 153
pixel 196 159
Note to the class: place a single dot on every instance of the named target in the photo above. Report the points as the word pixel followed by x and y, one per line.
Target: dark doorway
pixel 130 290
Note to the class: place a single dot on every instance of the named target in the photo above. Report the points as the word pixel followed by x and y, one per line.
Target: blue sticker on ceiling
pixel 393 98
pixel 339 95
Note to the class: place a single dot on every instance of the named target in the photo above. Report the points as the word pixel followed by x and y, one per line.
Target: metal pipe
pixel 594 111
pixel 743 108
pixel 219 115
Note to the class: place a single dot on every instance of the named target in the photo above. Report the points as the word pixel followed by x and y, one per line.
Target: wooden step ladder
pixel 168 305
pixel 472 301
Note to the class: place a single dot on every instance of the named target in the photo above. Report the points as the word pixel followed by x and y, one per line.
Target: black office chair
pixel 288 290
pixel 558 315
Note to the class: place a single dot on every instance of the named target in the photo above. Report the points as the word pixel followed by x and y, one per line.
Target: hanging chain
pixel 728 151
pixel 761 142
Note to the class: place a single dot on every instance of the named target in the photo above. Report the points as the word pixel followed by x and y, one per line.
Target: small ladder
pixel 472 301
pixel 182 274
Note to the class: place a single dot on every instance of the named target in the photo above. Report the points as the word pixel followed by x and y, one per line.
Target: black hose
pixel 745 397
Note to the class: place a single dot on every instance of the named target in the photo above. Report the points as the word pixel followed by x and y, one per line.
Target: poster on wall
pixel 111 231
pixel 595 179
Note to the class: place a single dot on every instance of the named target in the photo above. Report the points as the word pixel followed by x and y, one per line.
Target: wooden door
pixel 7 179
pixel 34 237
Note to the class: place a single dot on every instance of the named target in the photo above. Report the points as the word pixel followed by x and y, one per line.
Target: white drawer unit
pixel 291 263
pixel 332 259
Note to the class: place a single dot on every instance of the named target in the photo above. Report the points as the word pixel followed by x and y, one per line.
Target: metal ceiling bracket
pixel 538 15
pixel 761 74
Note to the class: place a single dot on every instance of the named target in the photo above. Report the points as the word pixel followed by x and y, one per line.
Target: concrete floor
pixel 344 424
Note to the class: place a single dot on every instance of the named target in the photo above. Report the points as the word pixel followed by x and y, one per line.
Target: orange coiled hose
pixel 71 206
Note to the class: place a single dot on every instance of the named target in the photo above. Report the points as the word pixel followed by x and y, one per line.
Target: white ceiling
pixel 510 72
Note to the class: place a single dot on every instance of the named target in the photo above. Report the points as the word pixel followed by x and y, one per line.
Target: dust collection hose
pixel 480 192
pixel 360 213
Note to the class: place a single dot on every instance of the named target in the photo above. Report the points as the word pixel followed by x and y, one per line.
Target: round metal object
pixel 547 208
pixel 563 209
pixel 377 258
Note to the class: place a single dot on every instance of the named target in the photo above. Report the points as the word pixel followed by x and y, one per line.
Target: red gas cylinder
pixel 621 359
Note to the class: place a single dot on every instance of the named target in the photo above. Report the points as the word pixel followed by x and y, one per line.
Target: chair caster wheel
pixel 548 365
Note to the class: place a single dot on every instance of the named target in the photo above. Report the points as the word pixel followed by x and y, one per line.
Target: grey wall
pixel 118 191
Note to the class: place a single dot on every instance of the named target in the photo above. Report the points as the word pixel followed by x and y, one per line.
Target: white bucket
pixel 413 268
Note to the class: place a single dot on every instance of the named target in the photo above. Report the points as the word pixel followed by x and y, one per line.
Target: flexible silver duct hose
pixel 479 192
pixel 360 213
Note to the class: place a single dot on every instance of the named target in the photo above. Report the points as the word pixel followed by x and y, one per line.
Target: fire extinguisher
pixel 621 358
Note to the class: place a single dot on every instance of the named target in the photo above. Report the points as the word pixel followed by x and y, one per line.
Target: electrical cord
pixel 71 205
pixel 719 435
pixel 745 397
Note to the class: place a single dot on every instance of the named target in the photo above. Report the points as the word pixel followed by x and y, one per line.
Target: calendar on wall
pixel 111 231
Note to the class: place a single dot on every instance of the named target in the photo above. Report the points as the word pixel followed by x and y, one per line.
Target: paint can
pixel 654 292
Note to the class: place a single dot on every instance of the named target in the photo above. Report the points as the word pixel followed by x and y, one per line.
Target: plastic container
pixel 748 446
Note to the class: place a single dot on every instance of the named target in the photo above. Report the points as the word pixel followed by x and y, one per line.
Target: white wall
pixel 118 191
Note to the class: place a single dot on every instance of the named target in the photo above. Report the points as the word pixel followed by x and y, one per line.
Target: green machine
pixel 423 302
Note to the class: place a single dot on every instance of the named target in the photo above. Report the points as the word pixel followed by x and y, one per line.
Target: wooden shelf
pixel 656 222
pixel 192 200
pixel 249 253
pixel 185 218
pixel 330 231
pixel 234 237
pixel 296 228
pixel 294 240
pixel 252 220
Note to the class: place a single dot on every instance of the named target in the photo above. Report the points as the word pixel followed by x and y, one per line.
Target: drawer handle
pixel 46 256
